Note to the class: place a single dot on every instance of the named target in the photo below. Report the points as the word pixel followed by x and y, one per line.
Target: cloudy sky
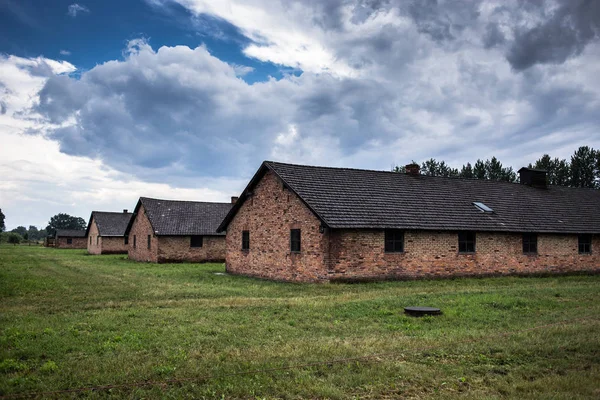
pixel 105 101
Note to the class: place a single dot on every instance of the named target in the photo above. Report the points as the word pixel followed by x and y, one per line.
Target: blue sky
pixel 102 101
pixel 100 30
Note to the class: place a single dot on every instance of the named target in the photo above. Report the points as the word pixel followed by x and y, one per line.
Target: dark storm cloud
pixel 573 25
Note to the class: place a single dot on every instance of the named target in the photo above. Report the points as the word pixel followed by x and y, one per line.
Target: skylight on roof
pixel 482 207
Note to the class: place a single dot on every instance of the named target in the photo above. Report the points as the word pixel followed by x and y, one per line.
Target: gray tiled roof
pixel 175 217
pixel 353 198
pixel 70 233
pixel 110 223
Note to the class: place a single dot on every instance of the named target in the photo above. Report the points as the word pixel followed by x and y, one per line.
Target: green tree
pixel 14 238
pixel 64 221
pixel 2 226
pixel 479 170
pixel 583 168
pixel 34 233
pixel 21 230
pixel 466 171
pixel 558 171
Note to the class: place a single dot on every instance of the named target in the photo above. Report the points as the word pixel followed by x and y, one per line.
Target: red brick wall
pixel 269 215
pixel 92 247
pixel 78 243
pixel 141 228
pixel 360 254
pixel 105 244
pixel 177 249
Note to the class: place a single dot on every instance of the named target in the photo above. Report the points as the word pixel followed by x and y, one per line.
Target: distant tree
pixel 479 170
pixel 558 171
pixel 21 230
pixel 2 226
pixel 64 221
pixel 466 171
pixel 34 233
pixel 583 168
pixel 14 238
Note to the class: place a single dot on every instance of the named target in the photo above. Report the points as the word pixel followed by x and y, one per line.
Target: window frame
pixel 134 241
pixel 466 241
pixel 391 241
pixel 90 240
pixel 97 239
pixel 149 242
pixel 69 240
pixel 526 243
pixel 295 242
pixel 126 240
pixel 245 240
pixel 581 243
pixel 196 246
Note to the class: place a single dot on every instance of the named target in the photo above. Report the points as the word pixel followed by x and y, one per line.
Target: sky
pixel 102 102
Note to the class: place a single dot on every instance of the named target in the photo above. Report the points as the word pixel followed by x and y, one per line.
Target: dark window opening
pixel 149 240
pixel 90 240
pixel 245 240
pixel 530 243
pixel 394 241
pixel 466 242
pixel 295 240
pixel 134 242
pixel 97 240
pixel 126 240
pixel 585 244
pixel 196 241
pixel 69 241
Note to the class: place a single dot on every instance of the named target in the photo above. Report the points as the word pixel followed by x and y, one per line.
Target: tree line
pixel 33 234
pixel 581 170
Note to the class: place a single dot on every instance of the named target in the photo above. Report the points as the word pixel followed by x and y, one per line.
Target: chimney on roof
pixel 124 211
pixel 234 199
pixel 533 177
pixel 412 169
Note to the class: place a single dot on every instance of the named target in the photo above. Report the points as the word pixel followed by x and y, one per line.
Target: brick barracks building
pixel 305 223
pixel 106 232
pixel 70 239
pixel 176 231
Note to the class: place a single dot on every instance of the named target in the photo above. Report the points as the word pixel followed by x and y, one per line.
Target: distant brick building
pixel 304 223
pixel 106 232
pixel 70 239
pixel 175 231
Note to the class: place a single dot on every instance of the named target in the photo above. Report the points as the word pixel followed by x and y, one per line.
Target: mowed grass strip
pixel 70 320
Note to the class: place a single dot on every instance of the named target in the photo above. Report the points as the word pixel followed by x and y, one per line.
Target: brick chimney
pixel 124 211
pixel 533 177
pixel 412 169
pixel 234 199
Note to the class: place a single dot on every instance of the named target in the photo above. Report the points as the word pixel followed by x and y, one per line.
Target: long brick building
pixel 70 239
pixel 175 231
pixel 305 223
pixel 106 232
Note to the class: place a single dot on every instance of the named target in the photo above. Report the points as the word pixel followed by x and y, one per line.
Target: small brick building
pixel 106 232
pixel 305 223
pixel 176 231
pixel 70 239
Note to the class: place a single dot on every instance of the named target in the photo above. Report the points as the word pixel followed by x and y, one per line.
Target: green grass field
pixel 70 321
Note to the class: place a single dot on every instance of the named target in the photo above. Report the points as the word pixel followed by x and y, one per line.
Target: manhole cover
pixel 420 311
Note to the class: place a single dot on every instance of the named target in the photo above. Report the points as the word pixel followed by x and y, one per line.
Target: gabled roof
pixel 109 223
pixel 70 233
pixel 354 198
pixel 182 218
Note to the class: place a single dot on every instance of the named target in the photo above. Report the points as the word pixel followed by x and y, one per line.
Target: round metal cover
pixel 419 311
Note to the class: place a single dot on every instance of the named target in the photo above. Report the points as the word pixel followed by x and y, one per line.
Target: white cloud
pixel 65 53
pixel 75 9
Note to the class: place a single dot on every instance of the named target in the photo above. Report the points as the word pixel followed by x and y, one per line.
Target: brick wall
pixel 360 254
pixel 269 215
pixel 140 229
pixel 177 249
pixel 92 246
pixel 77 243
pixel 272 211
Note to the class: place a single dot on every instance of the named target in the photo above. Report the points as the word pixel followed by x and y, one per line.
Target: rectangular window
pixel 69 241
pixel 466 242
pixel 149 240
pixel 585 244
pixel 90 239
pixel 530 243
pixel 134 242
pixel 295 240
pixel 394 241
pixel 245 240
pixel 97 240
pixel 126 240
pixel 196 241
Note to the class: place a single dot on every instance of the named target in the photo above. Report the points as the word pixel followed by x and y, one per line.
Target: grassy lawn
pixel 69 320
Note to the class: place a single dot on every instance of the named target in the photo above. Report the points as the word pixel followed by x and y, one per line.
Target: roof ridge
pixel 185 201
